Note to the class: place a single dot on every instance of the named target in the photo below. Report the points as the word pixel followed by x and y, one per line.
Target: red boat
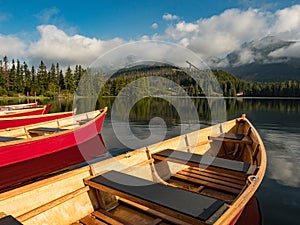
pixel 18 106
pixel 36 140
pixel 12 122
pixel 39 168
pixel 25 112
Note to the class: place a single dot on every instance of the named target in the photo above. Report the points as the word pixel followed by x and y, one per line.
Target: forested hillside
pixel 17 78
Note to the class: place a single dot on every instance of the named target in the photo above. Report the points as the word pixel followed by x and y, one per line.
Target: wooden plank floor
pixel 128 213
pixel 216 183
pixel 213 183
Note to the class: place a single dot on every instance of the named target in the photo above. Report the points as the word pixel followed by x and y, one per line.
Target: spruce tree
pixel 42 78
pixel 11 77
pixel 61 81
pixel 27 78
pixel 69 82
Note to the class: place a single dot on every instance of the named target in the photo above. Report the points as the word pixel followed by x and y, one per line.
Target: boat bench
pixel 9 220
pixel 83 121
pixel 231 137
pixel 7 139
pixel 196 160
pixel 188 206
pixel 45 130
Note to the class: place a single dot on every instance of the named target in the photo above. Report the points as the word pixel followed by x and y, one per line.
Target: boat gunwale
pixel 101 113
pixel 41 183
pixel 18 111
pixel 233 210
pixel 31 116
pixel 241 201
pixel 254 181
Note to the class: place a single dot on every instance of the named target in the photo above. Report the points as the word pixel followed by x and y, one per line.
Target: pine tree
pixel 42 77
pixel 2 80
pixel 27 78
pixel 52 75
pixel 11 77
pixel 61 82
pixel 77 74
pixel 5 71
pixel 35 88
pixel 69 82
pixel 18 82
pixel 57 74
pixel 53 81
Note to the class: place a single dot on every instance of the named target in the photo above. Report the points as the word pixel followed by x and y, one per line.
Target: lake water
pixel 277 121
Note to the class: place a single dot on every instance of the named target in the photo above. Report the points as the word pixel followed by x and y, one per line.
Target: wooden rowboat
pixel 203 177
pixel 18 174
pixel 25 112
pixel 18 106
pixel 18 121
pixel 36 140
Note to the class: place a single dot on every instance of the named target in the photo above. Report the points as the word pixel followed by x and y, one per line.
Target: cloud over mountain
pixel 267 59
pixel 223 33
pixel 292 51
pixel 217 36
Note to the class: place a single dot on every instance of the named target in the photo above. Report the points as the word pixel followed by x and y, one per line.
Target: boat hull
pixel 26 120
pixel 18 106
pixel 26 112
pixel 39 168
pixel 36 147
pixel 115 202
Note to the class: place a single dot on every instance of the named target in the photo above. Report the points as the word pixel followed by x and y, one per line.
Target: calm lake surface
pixel 277 121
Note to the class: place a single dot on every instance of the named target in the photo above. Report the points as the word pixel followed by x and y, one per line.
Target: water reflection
pixel 283 155
pixel 234 106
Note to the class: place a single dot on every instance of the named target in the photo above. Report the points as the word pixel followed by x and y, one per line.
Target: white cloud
pixel 287 22
pixel 283 165
pixel 246 56
pixel 292 51
pixel 169 16
pixel 186 27
pixel 223 33
pixel 219 34
pixel 11 46
pixel 154 25
pixel 55 45
pixel 133 53
pixel 214 36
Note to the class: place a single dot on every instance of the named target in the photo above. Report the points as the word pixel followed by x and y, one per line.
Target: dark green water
pixel 277 121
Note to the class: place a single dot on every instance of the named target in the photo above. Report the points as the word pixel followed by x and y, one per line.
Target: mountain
pixel 267 59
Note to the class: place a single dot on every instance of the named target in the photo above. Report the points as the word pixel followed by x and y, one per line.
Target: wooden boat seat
pixel 7 139
pixel 167 199
pixel 196 160
pixel 9 220
pixel 45 130
pixel 230 137
pixel 83 121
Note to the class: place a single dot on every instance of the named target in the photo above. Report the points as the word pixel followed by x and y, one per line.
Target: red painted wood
pixel 25 112
pixel 37 147
pixel 25 120
pixel 28 171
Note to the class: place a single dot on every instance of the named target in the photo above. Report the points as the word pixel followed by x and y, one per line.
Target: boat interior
pixel 45 128
pixel 204 177
pixel 16 111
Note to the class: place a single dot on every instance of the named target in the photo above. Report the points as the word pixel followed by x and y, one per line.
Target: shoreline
pixel 21 97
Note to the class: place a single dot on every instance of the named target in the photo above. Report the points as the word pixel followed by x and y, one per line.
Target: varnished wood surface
pixel 66 199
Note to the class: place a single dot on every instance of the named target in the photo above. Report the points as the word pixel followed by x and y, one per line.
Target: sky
pixel 77 32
